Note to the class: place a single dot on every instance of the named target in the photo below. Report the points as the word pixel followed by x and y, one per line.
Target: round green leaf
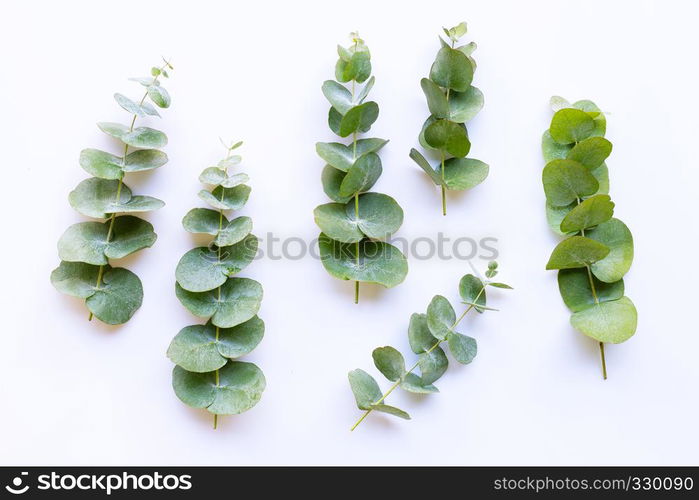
pixel 570 125
pixel 235 180
pixel 379 215
pixel 589 213
pixel 144 159
pixel 436 100
pixel 101 164
pixel 202 269
pixel 598 117
pixel 452 69
pixel 241 339
pixel 566 180
pixel 332 180
pixel 358 68
pixel 552 150
pixel 612 322
pixel 421 138
pixel 339 97
pixel 95 197
pixel 440 317
pixel 343 157
pixel 601 173
pixel 432 364
pixel 362 175
pixel 137 203
pixel 212 175
pixel 419 334
pixel 239 301
pixel 75 278
pixel 235 231
pixel 239 388
pixel 117 299
pixel 84 242
pixel 472 291
pixel 448 136
pixel 555 215
pixel 358 119
pixel 377 262
pixel 159 96
pixel 591 152
pixel 203 220
pixel 391 410
pixel 333 220
pixel 364 387
pixel 413 383
pixel 389 362
pixel 226 198
pixel 463 106
pixel 134 108
pixel 616 236
pixel 576 251
pixel 462 347
pixel 129 234
pixel 463 173
pixel 194 349
pixel 574 285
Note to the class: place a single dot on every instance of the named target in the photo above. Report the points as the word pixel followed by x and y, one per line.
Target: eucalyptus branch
pixel 452 101
pixel 207 374
pixel 113 294
pixel 357 220
pixel 426 333
pixel 598 249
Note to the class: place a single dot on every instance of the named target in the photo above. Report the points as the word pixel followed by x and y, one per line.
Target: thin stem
pixel 444 190
pixel 356 198
pixel 417 363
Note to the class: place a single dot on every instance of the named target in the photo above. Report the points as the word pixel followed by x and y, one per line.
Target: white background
pixel 75 392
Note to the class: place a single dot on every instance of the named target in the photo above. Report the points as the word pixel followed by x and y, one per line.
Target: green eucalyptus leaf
pixel 558 103
pixel 463 106
pixel 365 388
pixel 565 181
pixel 616 236
pixel 146 81
pixel 212 175
pixel 129 234
pixel 591 152
pixel 118 297
pixel 142 110
pixel 462 347
pixel 362 175
pixel 332 180
pixel 452 69
pixel 203 220
pixel 432 364
pixel 362 94
pixel 552 150
pixel 376 261
pixel 334 119
pixel 226 198
pixel 463 173
pixel 140 137
pixel 448 136
pixel 419 334
pixel 614 321
pixel 436 100
pixel 555 215
pixel 391 410
pixel 601 173
pixel 413 383
pixel 75 278
pixel 235 180
pixel 440 317
pixel 589 213
pixel 574 285
pixel 333 220
pixel 358 68
pixel 234 232
pixel 571 125
pixel 598 117
pixel 339 97
pixel 342 157
pixel 137 204
pixel 241 339
pixel 95 197
pixel 239 388
pixel 239 301
pixel 389 361
pixel 159 96
pixel 468 49
pixel 101 164
pixel 84 242
pixel 472 290
pixel 425 166
pixel 576 251
pixel 358 119
pixel 378 217
pixel 144 159
pixel 203 269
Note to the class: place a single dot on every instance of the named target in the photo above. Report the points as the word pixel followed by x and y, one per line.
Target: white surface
pixel 75 392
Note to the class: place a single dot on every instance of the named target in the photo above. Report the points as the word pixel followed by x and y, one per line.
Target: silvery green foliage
pixel 114 294
pixel 355 223
pixel 207 373
pixel 426 334
pixel 452 101
pixel 598 249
